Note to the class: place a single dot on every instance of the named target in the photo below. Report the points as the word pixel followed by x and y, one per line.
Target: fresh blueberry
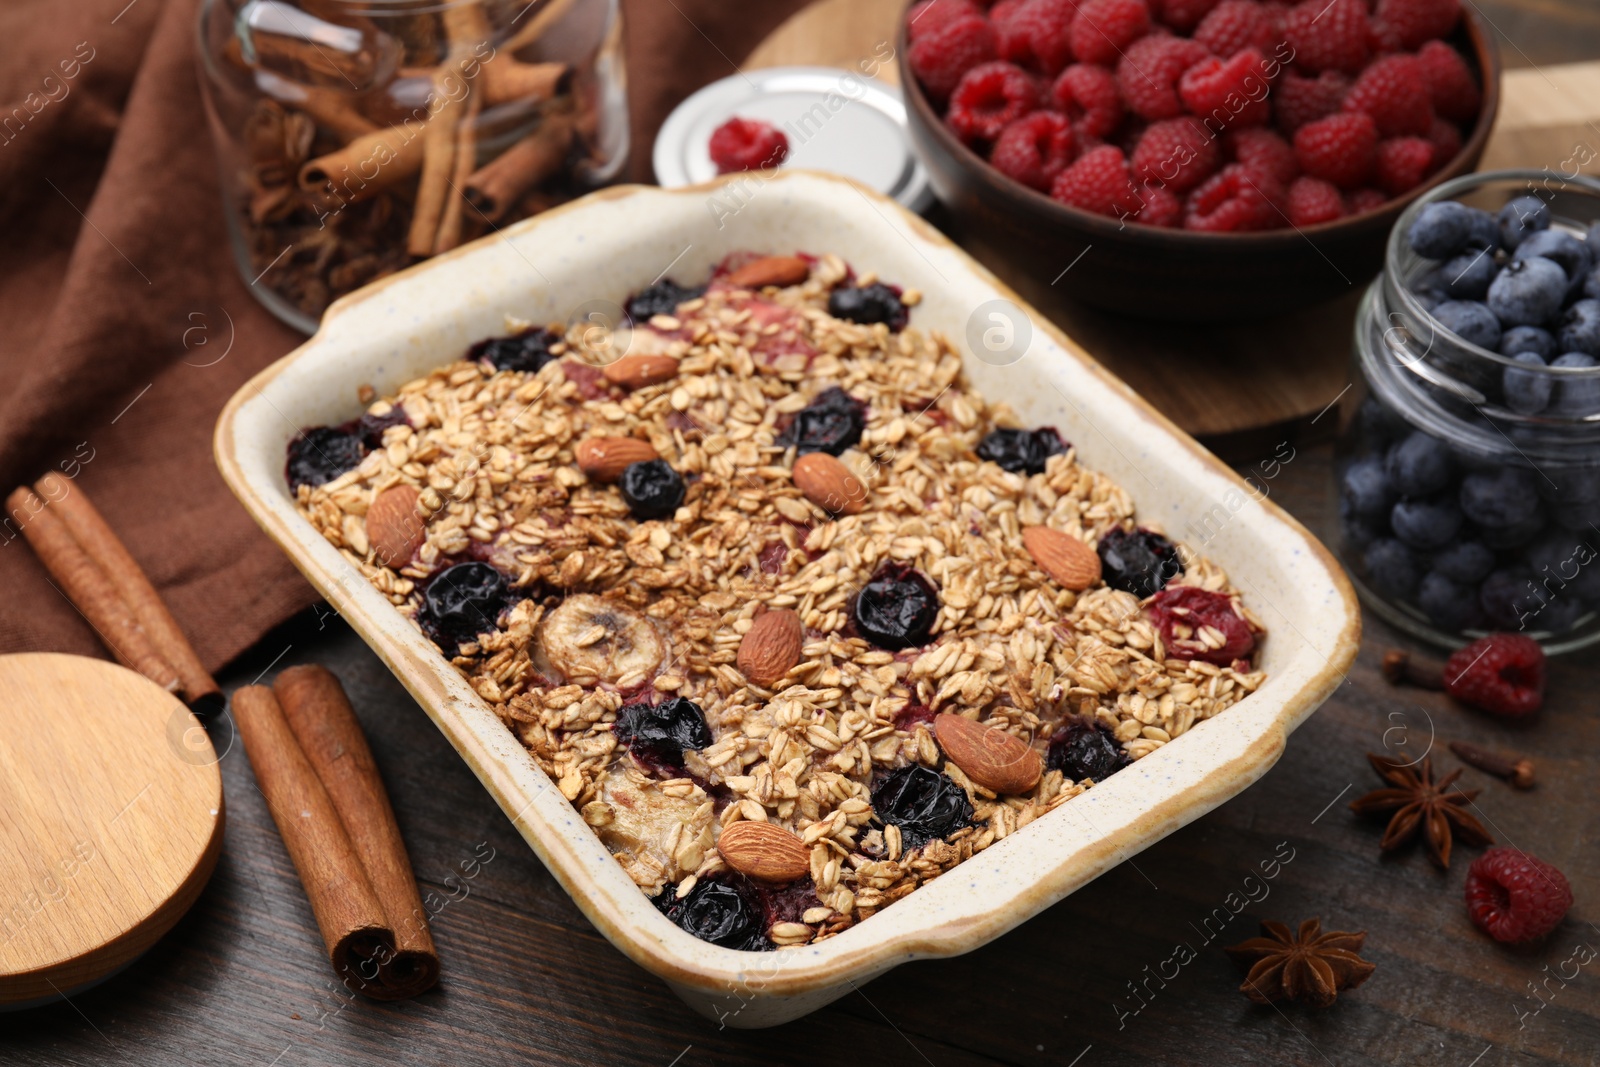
pixel 1419 465
pixel 662 298
pixel 1573 256
pixel 1593 239
pixel 1392 568
pixel 1432 289
pixel 1467 562
pixel 1578 396
pixel 1138 561
pixel 1501 497
pixel 717 911
pixel 1565 562
pixel 1379 425
pixel 1449 605
pixel 1580 328
pixel 1357 532
pixel 1425 524
pixel 652 489
pixel 1367 490
pixel 1082 750
pixel 867 304
pixel 1521 339
pixel 1528 292
pixel 1521 217
pixel 463 601
pixel 1558 615
pixel 1501 538
pixel 1591 284
pixel 1021 451
pixel 831 423
pixel 321 454
pixel 1445 228
pixel 525 351
pixel 1467 276
pixel 1471 321
pixel 1527 392
pixel 923 803
pixel 1507 597
pixel 662 732
pixel 897 607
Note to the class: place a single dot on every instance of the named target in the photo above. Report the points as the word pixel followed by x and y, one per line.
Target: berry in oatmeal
pixel 831 423
pixel 661 733
pixel 1082 750
pixel 463 601
pixel 323 453
pixel 1021 451
pixel 652 489
pixel 525 350
pixel 897 608
pixel 921 803
pixel 1138 561
pixel 868 304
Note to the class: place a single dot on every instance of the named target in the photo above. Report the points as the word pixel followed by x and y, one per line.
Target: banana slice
pixel 587 641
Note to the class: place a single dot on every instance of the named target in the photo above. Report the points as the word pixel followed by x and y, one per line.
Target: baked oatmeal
pixel 794 617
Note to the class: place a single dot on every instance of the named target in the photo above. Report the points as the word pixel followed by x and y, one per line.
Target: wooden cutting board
pixel 111 821
pixel 1240 387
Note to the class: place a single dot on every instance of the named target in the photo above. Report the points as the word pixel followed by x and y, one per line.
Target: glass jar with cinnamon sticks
pixel 357 137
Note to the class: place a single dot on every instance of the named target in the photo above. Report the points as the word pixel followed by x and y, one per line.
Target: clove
pixel 1518 770
pixel 1405 668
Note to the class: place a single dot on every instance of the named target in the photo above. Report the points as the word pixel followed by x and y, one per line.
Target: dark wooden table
pixel 527 980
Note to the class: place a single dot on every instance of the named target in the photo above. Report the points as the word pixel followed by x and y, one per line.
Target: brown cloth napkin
pixel 126 325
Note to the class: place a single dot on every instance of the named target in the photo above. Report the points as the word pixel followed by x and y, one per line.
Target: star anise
pixel 1417 801
pixel 1309 966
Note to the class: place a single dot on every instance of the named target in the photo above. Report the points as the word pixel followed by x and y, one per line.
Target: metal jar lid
pixel 836 120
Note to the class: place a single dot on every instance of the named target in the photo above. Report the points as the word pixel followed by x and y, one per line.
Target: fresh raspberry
pixel 1003 10
pixel 1182 15
pixel 1034 149
pixel 1264 152
pixel 1403 162
pixel 1515 897
pixel 1098 181
pixel 1328 36
pixel 1149 71
pixel 1161 206
pixel 747 144
pixel 940 57
pixel 1297 100
pixel 1179 611
pixel 1234 200
pixel 1362 201
pixel 1228 92
pixel 990 98
pixel 1450 83
pixel 1382 38
pixel 1104 28
pixel 1502 673
pixel 1415 21
pixel 1088 96
pixel 1178 153
pixel 1312 200
pixel 1446 141
pixel 928 15
pixel 1235 25
pixel 1037 35
pixel 1394 92
pixel 1342 148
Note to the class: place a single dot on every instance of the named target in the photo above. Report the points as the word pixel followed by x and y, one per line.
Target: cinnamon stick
pixel 90 589
pixel 547 16
pixel 466 155
pixel 89 528
pixel 507 81
pixel 498 184
pixel 320 716
pixel 465 26
pixel 353 924
pixel 368 165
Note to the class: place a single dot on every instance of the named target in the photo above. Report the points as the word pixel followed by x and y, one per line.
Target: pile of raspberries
pixel 1211 115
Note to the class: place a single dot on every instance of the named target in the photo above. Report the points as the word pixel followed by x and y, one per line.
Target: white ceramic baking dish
pixel 591 254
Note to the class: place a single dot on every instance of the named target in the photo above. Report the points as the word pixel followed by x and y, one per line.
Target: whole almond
pixel 636 370
pixel 771 270
pixel 828 483
pixel 764 851
pixel 771 646
pixel 604 459
pixel 394 529
pixel 994 759
pixel 1073 564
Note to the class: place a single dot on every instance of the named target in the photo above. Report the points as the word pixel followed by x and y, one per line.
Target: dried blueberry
pixel 370 427
pixel 1392 568
pixel 525 351
pixel 720 912
pixel 896 608
pixel 1367 493
pixel 662 298
pixel 322 453
pixel 652 489
pixel 923 803
pixel 1082 750
pixel 1419 465
pixel 868 303
pixel 1021 451
pixel 831 423
pixel 1138 561
pixel 661 732
pixel 462 602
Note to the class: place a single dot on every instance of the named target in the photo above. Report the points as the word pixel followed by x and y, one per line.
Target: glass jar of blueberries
pixel 1468 465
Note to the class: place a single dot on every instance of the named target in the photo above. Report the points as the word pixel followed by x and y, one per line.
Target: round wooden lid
pixel 110 820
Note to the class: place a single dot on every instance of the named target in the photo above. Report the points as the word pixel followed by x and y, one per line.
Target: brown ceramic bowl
pixel 1162 273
